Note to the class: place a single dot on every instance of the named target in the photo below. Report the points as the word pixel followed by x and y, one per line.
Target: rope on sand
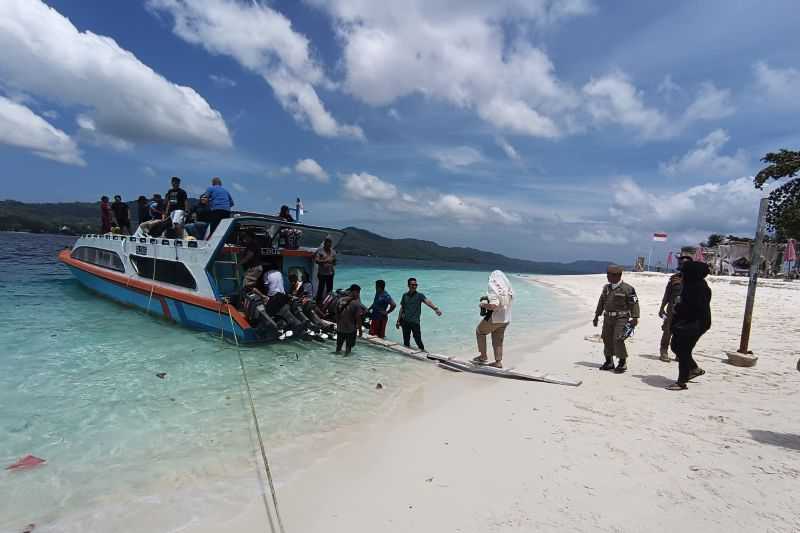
pixel 258 433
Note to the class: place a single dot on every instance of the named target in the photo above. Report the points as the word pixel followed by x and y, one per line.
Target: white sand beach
pixel 469 453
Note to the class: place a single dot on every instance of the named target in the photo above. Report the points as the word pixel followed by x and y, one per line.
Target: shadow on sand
pixel 655 381
pixel 589 364
pixel 789 441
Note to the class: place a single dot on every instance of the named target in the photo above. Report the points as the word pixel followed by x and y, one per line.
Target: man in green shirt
pixel 410 311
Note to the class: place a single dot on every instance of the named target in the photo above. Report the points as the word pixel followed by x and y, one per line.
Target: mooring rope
pixel 153 283
pixel 258 433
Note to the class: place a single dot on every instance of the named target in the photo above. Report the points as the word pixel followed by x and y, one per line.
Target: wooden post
pixel 755 265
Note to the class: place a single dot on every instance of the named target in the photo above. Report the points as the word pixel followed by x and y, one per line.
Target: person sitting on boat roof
pixel 200 217
pixel 284 214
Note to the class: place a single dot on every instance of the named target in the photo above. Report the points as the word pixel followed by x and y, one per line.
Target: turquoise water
pixel 78 387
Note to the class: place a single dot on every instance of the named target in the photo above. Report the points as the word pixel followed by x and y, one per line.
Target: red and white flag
pixel 790 253
pixel 660 237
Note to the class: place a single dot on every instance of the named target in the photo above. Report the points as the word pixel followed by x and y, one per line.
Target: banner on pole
pixel 659 237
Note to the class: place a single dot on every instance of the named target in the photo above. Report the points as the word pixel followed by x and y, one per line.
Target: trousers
pixel 497 331
pixel 216 217
pixel 682 345
pixel 410 328
pixel 666 327
pixel 377 327
pixel 346 339
pixel 613 343
pixel 324 286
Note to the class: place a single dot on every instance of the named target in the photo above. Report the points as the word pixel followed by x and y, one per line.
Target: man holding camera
pixel 496 313
pixel 619 306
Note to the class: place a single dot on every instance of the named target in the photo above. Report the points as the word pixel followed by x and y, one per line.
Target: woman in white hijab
pixel 496 312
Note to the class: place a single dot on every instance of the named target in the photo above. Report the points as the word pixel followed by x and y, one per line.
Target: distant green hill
pixel 365 243
pixel 84 217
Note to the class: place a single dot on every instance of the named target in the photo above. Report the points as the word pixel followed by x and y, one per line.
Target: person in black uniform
pixel 691 320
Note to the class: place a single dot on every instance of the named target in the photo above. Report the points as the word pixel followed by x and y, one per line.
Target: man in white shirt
pixel 496 310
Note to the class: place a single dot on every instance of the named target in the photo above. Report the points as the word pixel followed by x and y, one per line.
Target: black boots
pixel 608 365
pixel 621 367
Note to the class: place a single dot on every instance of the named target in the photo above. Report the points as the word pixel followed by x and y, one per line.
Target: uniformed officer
pixel 619 305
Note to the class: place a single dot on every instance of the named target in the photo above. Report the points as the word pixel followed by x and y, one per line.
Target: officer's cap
pixel 614 269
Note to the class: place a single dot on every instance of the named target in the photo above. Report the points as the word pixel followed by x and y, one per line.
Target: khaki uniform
pixel 671 296
pixel 618 306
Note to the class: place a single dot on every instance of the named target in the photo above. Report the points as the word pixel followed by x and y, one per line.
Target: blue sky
pixel 543 129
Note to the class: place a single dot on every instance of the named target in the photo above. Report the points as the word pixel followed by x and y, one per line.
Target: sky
pixel 540 129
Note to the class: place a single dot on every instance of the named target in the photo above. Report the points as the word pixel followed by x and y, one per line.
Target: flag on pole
pixel 659 237
pixel 698 255
pixel 669 260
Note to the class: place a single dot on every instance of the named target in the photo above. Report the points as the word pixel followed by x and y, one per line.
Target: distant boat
pixel 191 281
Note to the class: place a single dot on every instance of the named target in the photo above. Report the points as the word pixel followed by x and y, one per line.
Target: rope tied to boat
pixel 153 282
pixel 258 433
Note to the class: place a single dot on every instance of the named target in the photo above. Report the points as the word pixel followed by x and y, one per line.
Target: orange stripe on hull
pixel 158 290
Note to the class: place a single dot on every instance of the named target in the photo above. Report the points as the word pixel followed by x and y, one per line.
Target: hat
pixel 614 269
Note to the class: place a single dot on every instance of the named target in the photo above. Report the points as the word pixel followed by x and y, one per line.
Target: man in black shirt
pixel 176 206
pixel 121 214
pixel 143 210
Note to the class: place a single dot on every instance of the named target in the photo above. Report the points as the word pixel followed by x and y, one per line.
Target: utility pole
pixel 755 265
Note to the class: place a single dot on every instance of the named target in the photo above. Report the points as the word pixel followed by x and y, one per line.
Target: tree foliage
pixel 783 214
pixel 713 240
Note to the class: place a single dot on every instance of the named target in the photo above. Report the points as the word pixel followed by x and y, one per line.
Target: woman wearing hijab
pixel 691 320
pixel 496 312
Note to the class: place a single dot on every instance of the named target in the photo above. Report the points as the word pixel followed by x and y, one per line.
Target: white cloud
pixel 261 40
pixel 668 88
pixel 44 54
pixel 21 127
pixel 148 170
pixel 222 81
pixel 457 157
pixel 600 236
pixel 614 99
pixel 462 56
pixel 509 150
pixel 705 159
pixel 51 114
pixel 364 186
pixel 238 187
pixel 781 86
pixel 309 167
pixel 709 104
pixel 88 133
pixel 394 113
pixel 713 207
pixel 428 204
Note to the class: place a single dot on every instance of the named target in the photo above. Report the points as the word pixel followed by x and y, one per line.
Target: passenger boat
pixel 196 283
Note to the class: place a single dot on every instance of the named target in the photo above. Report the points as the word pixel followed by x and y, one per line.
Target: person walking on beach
pixel 410 313
pixel 382 306
pixel 691 320
pixel 325 258
pixel 619 305
pixel 672 294
pixel 220 201
pixel 349 311
pixel 496 311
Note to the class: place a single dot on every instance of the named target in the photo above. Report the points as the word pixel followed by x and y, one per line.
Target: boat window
pixel 166 271
pixel 98 257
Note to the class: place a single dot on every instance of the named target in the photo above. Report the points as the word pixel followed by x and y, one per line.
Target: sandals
pixel 480 360
pixel 696 373
pixel 677 386
pixel 496 364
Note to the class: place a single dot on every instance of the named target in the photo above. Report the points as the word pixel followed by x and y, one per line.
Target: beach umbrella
pixel 669 260
pixel 698 255
pixel 790 253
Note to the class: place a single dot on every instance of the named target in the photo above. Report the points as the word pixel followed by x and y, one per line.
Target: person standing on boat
pixel 142 209
pixel 496 312
pixel 382 306
pixel 325 258
pixel 220 201
pixel 105 215
pixel 121 215
pixel 176 206
pixel 348 319
pixel 410 314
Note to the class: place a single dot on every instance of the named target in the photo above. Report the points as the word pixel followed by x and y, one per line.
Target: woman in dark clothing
pixel 691 320
pixel 284 214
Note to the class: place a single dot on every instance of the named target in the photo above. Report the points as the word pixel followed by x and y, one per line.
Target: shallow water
pixel 78 387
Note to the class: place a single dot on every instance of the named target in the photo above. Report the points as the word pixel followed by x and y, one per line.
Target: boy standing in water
pixel 410 312
pixel 380 309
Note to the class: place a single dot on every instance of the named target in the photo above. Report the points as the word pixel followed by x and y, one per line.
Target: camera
pixel 485 313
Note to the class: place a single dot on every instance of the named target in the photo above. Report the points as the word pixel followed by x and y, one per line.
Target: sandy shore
pixel 619 453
